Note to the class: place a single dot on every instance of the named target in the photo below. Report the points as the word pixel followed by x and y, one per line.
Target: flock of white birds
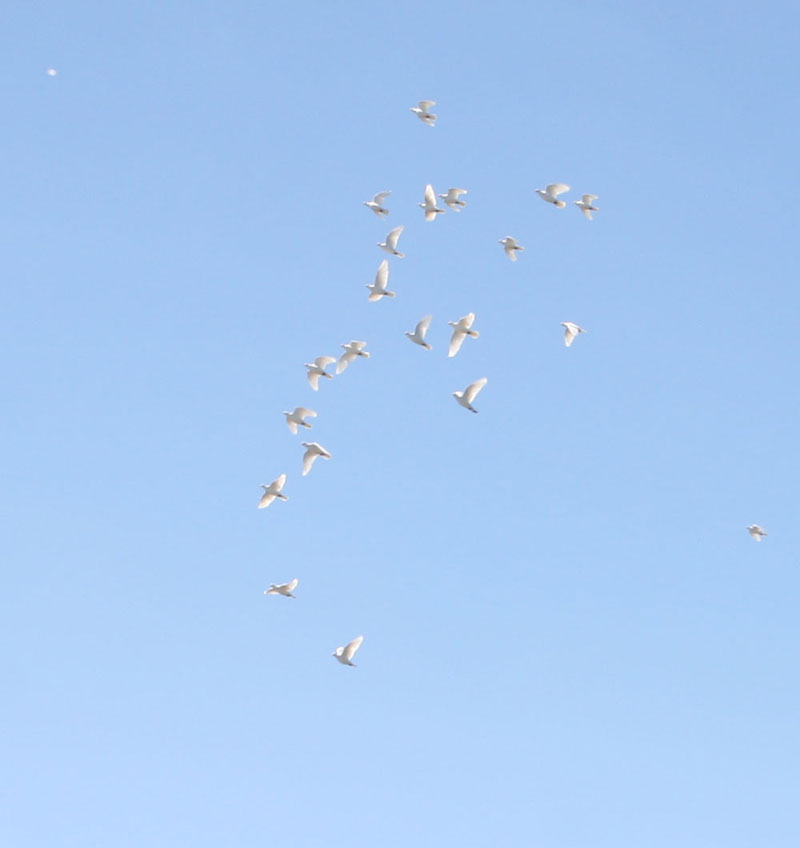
pixel 462 329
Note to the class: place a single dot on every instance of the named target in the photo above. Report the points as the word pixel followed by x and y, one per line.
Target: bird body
pixel 296 418
pixel 351 351
pixel 461 329
pixel 346 653
pixel 316 369
pixel 423 111
pixel 376 204
pixel 466 397
pixel 378 289
pixel 756 532
pixel 313 450
pixel 430 207
pixel 570 331
pixel 452 198
pixel 511 247
pixel 418 336
pixel 390 245
pixel 284 589
pixel 551 192
pixel 586 206
pixel 272 491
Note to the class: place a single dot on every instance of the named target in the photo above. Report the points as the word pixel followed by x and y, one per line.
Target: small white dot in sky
pixel 51 72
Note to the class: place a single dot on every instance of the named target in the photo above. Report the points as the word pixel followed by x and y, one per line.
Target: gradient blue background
pixel 570 639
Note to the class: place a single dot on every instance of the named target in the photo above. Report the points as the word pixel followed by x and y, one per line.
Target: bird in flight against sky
pixel 423 111
pixel 511 247
pixel 284 589
pixel 316 369
pixel 378 289
pixel 586 206
pixel 351 351
pixel 376 204
pixel 570 332
pixel 550 194
pixel 452 198
pixel 390 245
pixel 466 397
pixel 346 653
pixel 461 329
pixel 420 331
pixel 272 491
pixel 757 532
pixel 297 417
pixel 430 207
pixel 313 450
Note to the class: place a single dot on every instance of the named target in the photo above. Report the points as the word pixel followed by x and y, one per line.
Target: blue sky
pixel 570 638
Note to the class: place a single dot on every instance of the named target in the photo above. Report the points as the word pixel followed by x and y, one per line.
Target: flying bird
pixel 422 111
pixel 313 450
pixel 586 206
pixel 466 397
pixel 511 247
pixel 461 329
pixel 345 654
pixel 418 336
pixel 351 351
pixel 756 532
pixel 296 418
pixel 376 204
pixel 451 198
pixel 430 207
pixel 390 245
pixel 378 289
pixel 550 194
pixel 317 370
pixel 284 589
pixel 272 491
pixel 570 331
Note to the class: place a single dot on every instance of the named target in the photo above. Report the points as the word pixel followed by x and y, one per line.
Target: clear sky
pixel 570 639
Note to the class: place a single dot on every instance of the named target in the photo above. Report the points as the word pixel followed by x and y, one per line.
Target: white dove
pixel 295 419
pixel 345 654
pixel 511 247
pixel 422 111
pixel 390 245
pixel 317 370
pixel 378 289
pixel 351 351
pixel 570 331
pixel 313 450
pixel 756 532
pixel 272 491
pixel 418 336
pixel 461 329
pixel 451 198
pixel 550 194
pixel 376 204
pixel 284 589
pixel 586 206
pixel 430 207
pixel 466 397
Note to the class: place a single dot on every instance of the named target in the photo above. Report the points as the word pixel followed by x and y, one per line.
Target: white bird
pixel 422 111
pixel 317 370
pixel 272 491
pixel 390 245
pixel 378 289
pixel 430 207
pixel 284 589
pixel 451 198
pixel 756 532
pixel 570 331
pixel 351 351
pixel 418 336
pixel 313 450
pixel 511 247
pixel 295 419
pixel 345 654
pixel 51 72
pixel 461 329
pixel 586 206
pixel 466 397
pixel 550 194
pixel 376 204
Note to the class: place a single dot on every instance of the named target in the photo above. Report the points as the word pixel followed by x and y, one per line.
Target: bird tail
pixel 473 333
pixel 560 203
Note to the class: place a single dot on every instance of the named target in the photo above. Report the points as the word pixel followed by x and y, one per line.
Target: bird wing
pixel 554 189
pixel 430 216
pixel 382 276
pixel 456 340
pixel 323 361
pixel 266 500
pixel 569 335
pixel 588 198
pixel 308 460
pixel 587 213
pixel 422 326
pixel 292 584
pixel 351 647
pixel 344 360
pixel 394 235
pixel 511 253
pixel 467 321
pixel 292 425
pixel 453 193
pixel 426 104
pixel 380 197
pixel 472 389
pixel 303 412
pixel 430 197
pixel 278 483
pixel 375 296
pixel 313 380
